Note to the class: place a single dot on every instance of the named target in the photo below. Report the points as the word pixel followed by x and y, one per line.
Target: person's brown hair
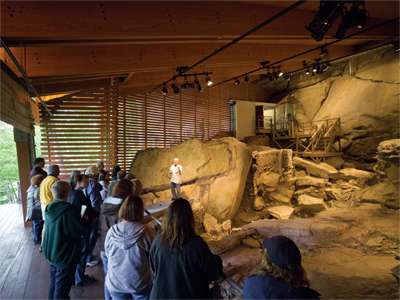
pixel 294 275
pixel 122 189
pixel 80 178
pixel 178 224
pixel 37 180
pixel 121 175
pixel 132 209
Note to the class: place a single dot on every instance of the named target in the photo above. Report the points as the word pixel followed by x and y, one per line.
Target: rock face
pixel 214 173
pixel 366 101
pixel 388 164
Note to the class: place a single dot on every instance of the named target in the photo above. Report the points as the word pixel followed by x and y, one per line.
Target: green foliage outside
pixel 8 163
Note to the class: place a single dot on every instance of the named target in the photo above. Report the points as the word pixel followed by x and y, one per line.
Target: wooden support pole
pixel 24 146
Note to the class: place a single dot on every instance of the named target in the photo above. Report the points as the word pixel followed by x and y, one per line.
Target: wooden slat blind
pixel 80 130
pixel 103 125
pixel 157 121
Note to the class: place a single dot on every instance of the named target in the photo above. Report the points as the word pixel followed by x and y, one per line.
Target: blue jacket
pixel 33 210
pixel 267 287
pixel 93 193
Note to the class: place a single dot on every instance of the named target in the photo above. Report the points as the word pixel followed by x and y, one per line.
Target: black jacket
pixel 78 198
pixel 183 273
pixel 268 287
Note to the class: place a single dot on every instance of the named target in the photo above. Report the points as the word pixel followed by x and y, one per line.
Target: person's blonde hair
pixel 294 275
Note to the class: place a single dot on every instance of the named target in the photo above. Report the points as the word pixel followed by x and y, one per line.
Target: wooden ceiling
pixel 74 45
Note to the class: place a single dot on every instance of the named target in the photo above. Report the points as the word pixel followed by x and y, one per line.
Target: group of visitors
pixel 138 263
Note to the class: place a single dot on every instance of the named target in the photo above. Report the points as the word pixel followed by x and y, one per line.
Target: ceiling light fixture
pixel 327 12
pixel 164 90
pixel 198 85
pixel 175 87
pixel 237 82
pixel 355 17
pixel 209 81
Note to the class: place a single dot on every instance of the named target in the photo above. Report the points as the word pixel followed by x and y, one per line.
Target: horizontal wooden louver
pixel 157 121
pixel 79 131
pixel 103 125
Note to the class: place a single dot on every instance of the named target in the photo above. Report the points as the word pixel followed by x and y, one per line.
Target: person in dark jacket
pixel 127 248
pixel 82 203
pixel 280 274
pixel 92 191
pixel 182 264
pixel 72 178
pixel 115 171
pixel 34 211
pixel 38 165
pixel 109 212
pixel 62 241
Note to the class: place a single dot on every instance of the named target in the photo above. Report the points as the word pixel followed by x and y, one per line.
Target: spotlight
pixel 198 85
pixel 356 17
pixel 308 72
pixel 280 74
pixel 315 69
pixel 208 81
pixel 175 88
pixel 324 67
pixel 185 84
pixel 327 12
pixel 164 90
pixel 237 82
pixel 287 76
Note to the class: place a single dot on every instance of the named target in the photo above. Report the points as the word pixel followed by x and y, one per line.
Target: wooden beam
pixel 143 19
pixel 69 61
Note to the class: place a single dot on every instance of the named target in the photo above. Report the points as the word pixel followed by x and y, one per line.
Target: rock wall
pixel 364 95
pixel 214 175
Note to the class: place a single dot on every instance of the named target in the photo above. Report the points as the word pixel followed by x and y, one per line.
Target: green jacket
pixel 62 236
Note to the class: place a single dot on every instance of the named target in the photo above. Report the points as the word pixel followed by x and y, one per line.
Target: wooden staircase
pixel 314 139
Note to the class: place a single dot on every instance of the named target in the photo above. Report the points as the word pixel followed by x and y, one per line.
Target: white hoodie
pixel 127 249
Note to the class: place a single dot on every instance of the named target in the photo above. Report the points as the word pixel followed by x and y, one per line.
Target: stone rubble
pixel 285 185
pixel 281 212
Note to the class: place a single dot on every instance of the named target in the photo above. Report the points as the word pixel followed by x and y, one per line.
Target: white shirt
pixel 176 173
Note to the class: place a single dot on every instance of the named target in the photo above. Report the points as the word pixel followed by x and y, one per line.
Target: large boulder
pixel 214 173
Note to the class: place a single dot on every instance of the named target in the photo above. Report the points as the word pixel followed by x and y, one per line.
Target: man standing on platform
pixel 175 175
pixel 62 241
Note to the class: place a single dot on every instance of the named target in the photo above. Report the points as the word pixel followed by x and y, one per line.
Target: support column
pixel 25 154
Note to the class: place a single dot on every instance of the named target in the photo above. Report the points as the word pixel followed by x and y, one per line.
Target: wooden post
pixel 24 145
pixel 145 121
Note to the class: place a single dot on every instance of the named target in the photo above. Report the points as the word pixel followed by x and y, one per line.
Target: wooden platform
pixel 24 272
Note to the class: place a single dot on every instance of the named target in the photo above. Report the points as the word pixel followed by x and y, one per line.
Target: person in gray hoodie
pixel 127 248
pixel 109 213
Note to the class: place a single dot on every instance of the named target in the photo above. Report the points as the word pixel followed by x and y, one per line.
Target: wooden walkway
pixel 24 272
